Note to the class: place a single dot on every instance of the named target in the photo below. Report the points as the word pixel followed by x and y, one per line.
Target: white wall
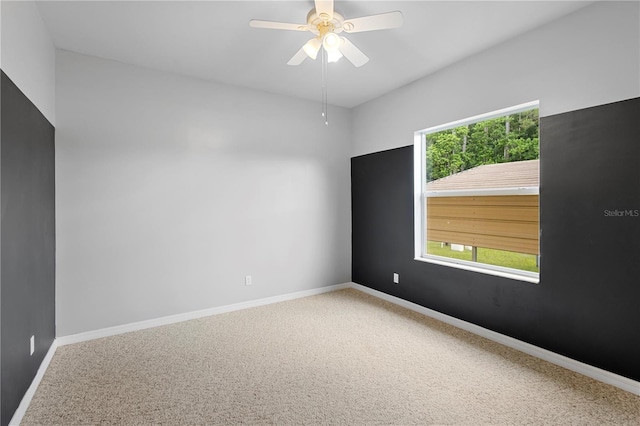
pixel 170 190
pixel 27 54
pixel 588 58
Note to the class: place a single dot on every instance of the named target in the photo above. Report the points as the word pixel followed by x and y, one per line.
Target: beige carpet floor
pixel 338 358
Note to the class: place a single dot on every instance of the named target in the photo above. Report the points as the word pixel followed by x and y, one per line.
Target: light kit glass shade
pixel 312 47
pixel 331 42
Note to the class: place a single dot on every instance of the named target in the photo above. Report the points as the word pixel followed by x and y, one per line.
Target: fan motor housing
pixel 320 25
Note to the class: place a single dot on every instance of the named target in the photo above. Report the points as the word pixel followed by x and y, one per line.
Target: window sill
pixel 480 269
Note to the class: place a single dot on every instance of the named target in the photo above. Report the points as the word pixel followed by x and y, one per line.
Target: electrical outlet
pixel 396 278
pixel 248 280
pixel 32 345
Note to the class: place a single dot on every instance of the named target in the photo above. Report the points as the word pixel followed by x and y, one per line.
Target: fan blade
pixel 324 7
pixel 352 53
pixel 373 22
pixel 298 57
pixel 277 25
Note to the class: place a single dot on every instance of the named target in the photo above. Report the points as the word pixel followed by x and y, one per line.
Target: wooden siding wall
pixel 506 222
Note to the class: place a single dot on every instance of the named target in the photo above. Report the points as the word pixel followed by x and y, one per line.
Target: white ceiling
pixel 212 39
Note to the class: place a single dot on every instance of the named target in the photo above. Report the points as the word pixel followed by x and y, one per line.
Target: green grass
pixel 508 259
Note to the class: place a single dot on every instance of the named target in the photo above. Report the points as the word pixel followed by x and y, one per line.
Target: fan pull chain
pixel 324 87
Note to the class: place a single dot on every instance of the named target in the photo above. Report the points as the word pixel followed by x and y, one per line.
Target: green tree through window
pixel 498 140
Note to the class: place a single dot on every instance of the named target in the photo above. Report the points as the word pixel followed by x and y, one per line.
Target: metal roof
pixel 518 174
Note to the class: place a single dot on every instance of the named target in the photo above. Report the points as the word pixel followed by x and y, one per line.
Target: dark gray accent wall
pixel 587 304
pixel 27 290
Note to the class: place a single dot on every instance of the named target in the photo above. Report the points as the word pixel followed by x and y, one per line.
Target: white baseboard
pixel 554 358
pixel 171 319
pixel 26 399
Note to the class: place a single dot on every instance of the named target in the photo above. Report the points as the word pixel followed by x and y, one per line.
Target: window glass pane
pixel 481 191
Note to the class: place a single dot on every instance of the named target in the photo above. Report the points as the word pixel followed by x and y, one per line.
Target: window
pixel 477 197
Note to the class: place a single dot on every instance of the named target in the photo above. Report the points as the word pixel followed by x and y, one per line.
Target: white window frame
pixel 421 194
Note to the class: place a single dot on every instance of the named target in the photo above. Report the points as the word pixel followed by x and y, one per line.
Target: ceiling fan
pixel 326 25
